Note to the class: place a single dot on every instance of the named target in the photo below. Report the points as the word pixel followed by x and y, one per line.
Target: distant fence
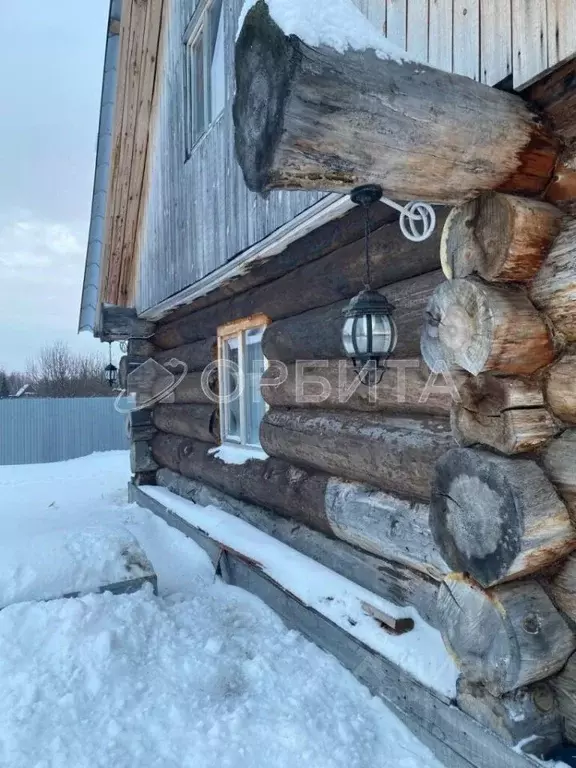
pixel 38 430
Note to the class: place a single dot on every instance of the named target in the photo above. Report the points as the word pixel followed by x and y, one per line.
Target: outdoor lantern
pixel 111 372
pixel 369 333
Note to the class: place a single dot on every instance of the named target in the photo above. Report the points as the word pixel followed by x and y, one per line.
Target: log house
pixel 224 246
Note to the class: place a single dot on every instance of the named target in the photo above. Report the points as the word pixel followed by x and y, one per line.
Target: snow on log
pixel 503 638
pixel 560 389
pixel 498 237
pixel 505 413
pixel 317 334
pixel 394 454
pixel 313 118
pixel 553 290
pixel 529 714
pixel 196 421
pixel 406 386
pixel 559 460
pixel 481 327
pixel 497 518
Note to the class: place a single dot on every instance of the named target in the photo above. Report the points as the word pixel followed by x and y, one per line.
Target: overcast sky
pixel 51 59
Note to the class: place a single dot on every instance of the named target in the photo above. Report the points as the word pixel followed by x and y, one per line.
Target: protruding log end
pixel 481 327
pixel 266 62
pixel 504 638
pixel 497 518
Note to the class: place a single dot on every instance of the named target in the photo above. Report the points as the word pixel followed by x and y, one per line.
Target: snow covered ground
pixel 204 675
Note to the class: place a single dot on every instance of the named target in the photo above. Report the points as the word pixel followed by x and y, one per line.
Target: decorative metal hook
pixel 417 219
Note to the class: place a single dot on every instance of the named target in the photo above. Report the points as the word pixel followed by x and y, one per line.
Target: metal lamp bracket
pixel 417 219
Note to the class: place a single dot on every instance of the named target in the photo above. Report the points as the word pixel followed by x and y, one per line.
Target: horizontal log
pixel 504 413
pixel 196 421
pixel 141 348
pixel 561 588
pixel 121 323
pixel 393 581
pixel 324 132
pixel 498 237
pixel 560 389
pixel 317 334
pixel 375 522
pixel 528 714
pixel 564 686
pixel 553 290
pixel 497 518
pixel 195 388
pixel 195 356
pixel 142 458
pixel 406 386
pixel 481 327
pixel 504 638
pixel 393 454
pixel 140 425
pixel 337 276
pixel 559 460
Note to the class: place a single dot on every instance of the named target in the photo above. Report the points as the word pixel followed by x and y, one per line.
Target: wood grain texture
pixel 495 40
pixel 555 94
pixel 565 689
pixel 560 389
pixel 317 334
pixel 481 327
pixel 530 41
pixel 497 518
pixel 559 461
pixel 393 581
pixel 196 421
pixel 561 588
pixel 394 454
pixel 467 38
pixel 195 356
pixel 498 237
pixel 505 638
pixel 553 290
pixel 332 278
pixel 314 112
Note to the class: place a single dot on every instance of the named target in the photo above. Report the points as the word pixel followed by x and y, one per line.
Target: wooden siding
pixel 199 213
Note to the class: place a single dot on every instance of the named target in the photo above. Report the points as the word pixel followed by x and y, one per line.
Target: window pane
pixel 217 66
pixel 255 365
pixel 230 375
pixel 197 79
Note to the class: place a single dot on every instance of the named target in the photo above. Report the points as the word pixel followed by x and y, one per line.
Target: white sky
pixel 51 60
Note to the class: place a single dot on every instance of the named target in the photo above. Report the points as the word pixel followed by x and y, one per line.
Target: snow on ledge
pixel 237 454
pixel 338 24
pixel 421 653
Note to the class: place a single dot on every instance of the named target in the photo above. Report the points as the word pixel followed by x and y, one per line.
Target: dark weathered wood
pixel 317 334
pixel 195 356
pixel 559 460
pixel 394 454
pixel 562 188
pixel 308 125
pixel 560 387
pixel 504 638
pixel 505 413
pixel 140 425
pixel 196 421
pixel 120 323
pixel 497 518
pixel 555 95
pixel 144 478
pixel 561 587
pixel 141 458
pixel 394 581
pixel 339 275
pixel 498 237
pixel 565 689
pixel 453 736
pixel 322 241
pixel 406 387
pixel 141 348
pixel 482 327
pixel 195 388
pixel 529 713
pixel 553 289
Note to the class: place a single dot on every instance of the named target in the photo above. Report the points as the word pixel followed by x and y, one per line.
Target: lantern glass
pixel 369 335
pixel 110 373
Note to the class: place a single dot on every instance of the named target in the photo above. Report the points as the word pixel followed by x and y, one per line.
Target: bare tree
pixel 4 386
pixel 59 372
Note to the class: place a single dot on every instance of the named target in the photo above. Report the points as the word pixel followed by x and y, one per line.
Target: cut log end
pixel 503 638
pixel 497 518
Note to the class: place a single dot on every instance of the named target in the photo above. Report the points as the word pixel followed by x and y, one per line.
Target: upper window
pixel 205 71
pixel 241 364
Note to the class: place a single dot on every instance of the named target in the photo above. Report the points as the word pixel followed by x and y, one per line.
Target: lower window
pixel 241 364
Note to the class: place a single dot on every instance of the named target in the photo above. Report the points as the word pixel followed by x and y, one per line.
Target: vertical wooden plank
pixel 561 30
pixel 375 11
pixel 495 40
pixel 396 17
pixel 440 34
pixel 417 30
pixel 529 40
pixel 466 59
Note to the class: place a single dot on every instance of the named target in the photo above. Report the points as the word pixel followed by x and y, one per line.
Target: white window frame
pixel 199 25
pixel 238 331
